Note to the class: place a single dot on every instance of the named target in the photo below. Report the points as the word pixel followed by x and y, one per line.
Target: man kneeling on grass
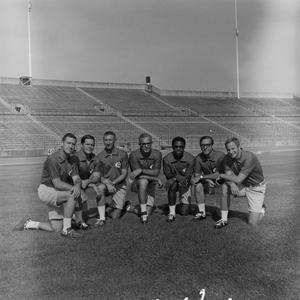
pixel 59 189
pixel 178 167
pixel 243 177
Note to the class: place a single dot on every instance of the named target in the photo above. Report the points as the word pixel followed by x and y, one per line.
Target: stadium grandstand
pixel 34 117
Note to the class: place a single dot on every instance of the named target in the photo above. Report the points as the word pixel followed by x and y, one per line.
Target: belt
pixel 258 184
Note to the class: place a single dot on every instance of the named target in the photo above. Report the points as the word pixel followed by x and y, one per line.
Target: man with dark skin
pixel 178 167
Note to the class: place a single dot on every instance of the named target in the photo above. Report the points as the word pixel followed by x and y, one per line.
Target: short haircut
pixel 70 135
pixel 87 137
pixel 144 135
pixel 234 140
pixel 178 139
pixel 206 137
pixel 109 133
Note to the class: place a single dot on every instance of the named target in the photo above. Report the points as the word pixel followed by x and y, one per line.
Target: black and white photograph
pixel 150 150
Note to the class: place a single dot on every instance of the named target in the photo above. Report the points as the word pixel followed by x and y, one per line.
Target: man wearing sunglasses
pixel 145 165
pixel 208 164
pixel 178 167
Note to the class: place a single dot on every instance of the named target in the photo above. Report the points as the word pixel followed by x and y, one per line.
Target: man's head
pixel 69 141
pixel 109 139
pixel 88 144
pixel 232 146
pixel 178 145
pixel 206 144
pixel 145 142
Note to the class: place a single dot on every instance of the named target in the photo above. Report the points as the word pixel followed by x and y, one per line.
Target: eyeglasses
pixel 205 145
pixel 145 144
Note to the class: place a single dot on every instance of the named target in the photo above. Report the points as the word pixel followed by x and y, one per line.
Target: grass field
pixel 126 260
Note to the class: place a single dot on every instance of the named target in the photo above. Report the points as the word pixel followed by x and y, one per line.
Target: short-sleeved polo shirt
pixel 183 166
pixel 247 164
pixel 209 164
pixel 58 165
pixel 138 161
pixel 86 167
pixel 112 163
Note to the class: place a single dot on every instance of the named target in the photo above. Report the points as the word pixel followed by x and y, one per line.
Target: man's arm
pixel 154 172
pixel 94 178
pixel 167 170
pixel 121 177
pixel 76 189
pixel 188 173
pixel 61 185
pixel 234 178
pixel 124 170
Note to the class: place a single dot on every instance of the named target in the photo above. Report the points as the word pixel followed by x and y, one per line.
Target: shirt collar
pixel 113 152
pixel 210 157
pixel 143 157
pixel 182 159
pixel 82 156
pixel 62 156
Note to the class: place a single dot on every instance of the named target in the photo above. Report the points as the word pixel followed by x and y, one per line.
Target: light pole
pixel 29 38
pixel 237 51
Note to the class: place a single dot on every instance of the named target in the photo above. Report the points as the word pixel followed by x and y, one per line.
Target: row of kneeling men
pixel 70 178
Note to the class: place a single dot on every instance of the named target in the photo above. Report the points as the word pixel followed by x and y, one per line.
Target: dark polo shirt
pixel 183 167
pixel 86 167
pixel 58 165
pixel 210 164
pixel 138 161
pixel 246 164
pixel 111 164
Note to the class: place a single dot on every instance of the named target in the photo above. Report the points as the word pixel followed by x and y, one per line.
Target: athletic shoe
pixel 130 208
pixel 171 218
pixel 22 224
pixel 264 210
pixel 127 206
pixel 81 226
pixel 99 223
pixel 144 220
pixel 144 217
pixel 220 224
pixel 71 233
pixel 199 216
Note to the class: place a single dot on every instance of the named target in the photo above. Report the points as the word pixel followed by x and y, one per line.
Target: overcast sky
pixel 181 44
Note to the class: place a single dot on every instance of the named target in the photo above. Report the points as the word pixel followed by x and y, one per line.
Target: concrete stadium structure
pixel 33 118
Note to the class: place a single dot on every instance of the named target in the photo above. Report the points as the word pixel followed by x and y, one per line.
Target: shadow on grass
pixel 211 211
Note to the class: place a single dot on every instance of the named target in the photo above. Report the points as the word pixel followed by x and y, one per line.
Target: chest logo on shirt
pixel 118 164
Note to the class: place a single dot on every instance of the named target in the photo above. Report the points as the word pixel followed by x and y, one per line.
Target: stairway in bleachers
pixel 128 112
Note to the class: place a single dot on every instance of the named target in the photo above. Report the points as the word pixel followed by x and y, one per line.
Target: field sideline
pixel 126 260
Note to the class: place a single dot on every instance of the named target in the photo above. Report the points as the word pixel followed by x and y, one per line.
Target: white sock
pixel 143 208
pixel 172 210
pixel 101 211
pixel 32 225
pixel 224 215
pixel 66 223
pixel 201 207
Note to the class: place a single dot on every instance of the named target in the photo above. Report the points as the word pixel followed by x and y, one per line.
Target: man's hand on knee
pixel 169 183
